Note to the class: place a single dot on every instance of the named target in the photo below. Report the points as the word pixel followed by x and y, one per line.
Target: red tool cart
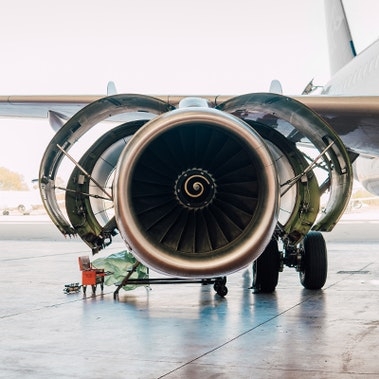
pixel 90 276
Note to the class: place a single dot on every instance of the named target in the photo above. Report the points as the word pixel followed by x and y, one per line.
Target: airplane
pixel 203 186
pixel 24 202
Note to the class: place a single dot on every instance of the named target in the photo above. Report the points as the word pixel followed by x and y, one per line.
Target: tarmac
pixel 185 330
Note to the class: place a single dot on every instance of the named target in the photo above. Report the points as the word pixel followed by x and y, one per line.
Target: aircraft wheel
pixel 314 267
pixel 222 291
pixel 21 208
pixel 266 269
pixel 220 287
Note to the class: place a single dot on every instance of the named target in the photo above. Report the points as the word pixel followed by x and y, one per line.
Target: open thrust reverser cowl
pixel 194 188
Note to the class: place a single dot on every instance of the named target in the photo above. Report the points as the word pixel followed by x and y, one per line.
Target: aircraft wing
pixel 354 118
pixel 39 106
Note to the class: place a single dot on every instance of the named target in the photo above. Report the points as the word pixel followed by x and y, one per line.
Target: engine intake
pixel 193 186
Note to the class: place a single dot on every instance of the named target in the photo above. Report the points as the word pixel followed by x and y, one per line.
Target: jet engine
pixel 196 187
pixel 196 193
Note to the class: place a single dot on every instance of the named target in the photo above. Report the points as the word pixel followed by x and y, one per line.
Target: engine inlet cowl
pixel 196 193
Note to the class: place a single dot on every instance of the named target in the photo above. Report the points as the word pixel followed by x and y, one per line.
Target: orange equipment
pixel 90 276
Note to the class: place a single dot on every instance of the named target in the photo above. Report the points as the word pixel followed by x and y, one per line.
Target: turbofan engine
pixel 196 188
pixel 192 186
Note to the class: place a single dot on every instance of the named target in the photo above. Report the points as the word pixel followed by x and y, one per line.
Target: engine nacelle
pixel 196 193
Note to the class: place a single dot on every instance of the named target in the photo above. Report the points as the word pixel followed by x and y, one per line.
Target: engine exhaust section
pixel 195 188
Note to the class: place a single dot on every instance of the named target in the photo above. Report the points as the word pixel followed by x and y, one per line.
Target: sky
pixel 159 47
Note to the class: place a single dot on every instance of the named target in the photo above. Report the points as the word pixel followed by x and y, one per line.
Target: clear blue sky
pixel 168 46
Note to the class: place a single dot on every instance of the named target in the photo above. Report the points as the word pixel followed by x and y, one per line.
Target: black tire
pixel 222 291
pixel 220 285
pixel 314 266
pixel 266 269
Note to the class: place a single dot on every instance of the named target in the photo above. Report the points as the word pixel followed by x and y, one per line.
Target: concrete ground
pixel 185 330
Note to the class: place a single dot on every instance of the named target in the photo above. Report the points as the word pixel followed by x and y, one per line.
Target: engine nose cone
pixel 195 188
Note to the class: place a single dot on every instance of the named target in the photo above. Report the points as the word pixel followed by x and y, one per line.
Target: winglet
pixel 276 87
pixel 111 89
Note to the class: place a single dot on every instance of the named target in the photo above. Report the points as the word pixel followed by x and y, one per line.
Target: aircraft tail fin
pixel 341 46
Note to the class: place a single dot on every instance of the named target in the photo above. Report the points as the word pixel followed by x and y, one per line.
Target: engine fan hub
pixel 195 188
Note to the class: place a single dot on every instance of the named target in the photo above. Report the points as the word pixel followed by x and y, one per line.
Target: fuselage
pixel 359 77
